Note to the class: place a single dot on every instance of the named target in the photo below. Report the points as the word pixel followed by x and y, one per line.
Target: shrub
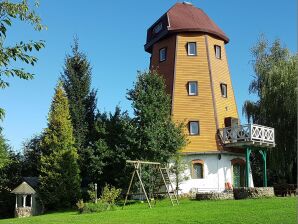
pixel 93 207
pixel 91 192
pixel 80 205
pixel 110 194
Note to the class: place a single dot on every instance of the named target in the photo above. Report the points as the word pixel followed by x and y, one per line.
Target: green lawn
pixel 274 210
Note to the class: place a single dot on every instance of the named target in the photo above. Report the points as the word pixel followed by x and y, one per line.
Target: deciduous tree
pixel 275 84
pixel 10 11
pixel 157 137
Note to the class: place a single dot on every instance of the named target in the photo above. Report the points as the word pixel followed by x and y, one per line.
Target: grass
pixel 273 210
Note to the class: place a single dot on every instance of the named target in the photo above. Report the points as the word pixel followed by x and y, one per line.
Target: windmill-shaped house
pixel 188 49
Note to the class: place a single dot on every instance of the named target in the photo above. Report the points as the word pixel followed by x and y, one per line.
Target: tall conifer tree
pixel 82 102
pixel 60 180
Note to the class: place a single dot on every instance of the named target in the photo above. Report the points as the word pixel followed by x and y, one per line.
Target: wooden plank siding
pixel 165 68
pixel 179 69
pixel 191 108
pixel 225 107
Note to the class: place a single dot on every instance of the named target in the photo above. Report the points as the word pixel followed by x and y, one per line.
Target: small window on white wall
pixel 192 48
pixel 192 88
pixel 194 128
pixel 197 169
pixel 162 54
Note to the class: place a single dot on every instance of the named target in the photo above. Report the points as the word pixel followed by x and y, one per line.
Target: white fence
pixel 247 133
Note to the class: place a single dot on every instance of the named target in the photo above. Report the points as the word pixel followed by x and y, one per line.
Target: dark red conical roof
pixel 182 17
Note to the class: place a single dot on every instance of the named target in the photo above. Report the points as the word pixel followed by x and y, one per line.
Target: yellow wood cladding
pixel 225 107
pixel 179 68
pixel 194 108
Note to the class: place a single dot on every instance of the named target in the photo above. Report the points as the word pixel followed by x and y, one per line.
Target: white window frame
pixel 189 88
pixel 190 128
pixel 217 50
pixel 224 93
pixel 160 54
pixel 188 49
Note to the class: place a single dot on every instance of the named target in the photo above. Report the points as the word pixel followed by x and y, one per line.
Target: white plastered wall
pixel 217 172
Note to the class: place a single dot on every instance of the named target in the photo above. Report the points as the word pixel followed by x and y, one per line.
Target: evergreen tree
pixel 119 137
pixel 31 156
pixel 82 102
pixel 157 137
pixel 59 174
pixel 4 149
pixel 275 84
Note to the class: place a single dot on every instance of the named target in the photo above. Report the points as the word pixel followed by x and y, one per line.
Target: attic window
pixel 192 48
pixel 157 28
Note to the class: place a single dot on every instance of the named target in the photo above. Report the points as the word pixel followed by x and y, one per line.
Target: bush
pixel 110 194
pixel 106 203
pixel 93 207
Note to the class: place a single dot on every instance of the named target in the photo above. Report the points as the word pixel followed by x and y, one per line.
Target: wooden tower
pixel 188 49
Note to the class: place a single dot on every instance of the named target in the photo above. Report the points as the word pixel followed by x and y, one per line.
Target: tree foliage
pixel 21 51
pixel 82 101
pixel 31 156
pixel 275 84
pixel 4 151
pixel 157 137
pixel 59 174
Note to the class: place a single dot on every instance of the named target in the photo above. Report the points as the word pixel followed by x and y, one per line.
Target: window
pixel 194 128
pixel 193 88
pixel 157 28
pixel 162 54
pixel 223 89
pixel 192 48
pixel 217 50
pixel 197 169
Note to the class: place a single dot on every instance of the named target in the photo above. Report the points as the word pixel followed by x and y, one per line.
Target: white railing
pixel 247 133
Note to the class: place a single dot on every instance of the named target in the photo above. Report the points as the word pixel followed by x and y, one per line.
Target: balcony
pixel 248 134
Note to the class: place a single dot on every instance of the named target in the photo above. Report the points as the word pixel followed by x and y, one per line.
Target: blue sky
pixel 112 34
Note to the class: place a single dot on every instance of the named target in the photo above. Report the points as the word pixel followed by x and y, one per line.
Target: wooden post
pixel 16 200
pixel 143 188
pixel 95 189
pixel 247 169
pixel 133 175
pixel 24 200
pixel 31 200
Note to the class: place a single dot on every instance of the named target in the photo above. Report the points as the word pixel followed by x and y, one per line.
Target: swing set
pixel 159 179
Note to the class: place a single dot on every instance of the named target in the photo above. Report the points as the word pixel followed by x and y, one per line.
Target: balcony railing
pixel 247 134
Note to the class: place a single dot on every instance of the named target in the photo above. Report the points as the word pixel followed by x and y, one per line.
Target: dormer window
pixel 191 48
pixel 162 54
pixel 217 50
pixel 157 28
